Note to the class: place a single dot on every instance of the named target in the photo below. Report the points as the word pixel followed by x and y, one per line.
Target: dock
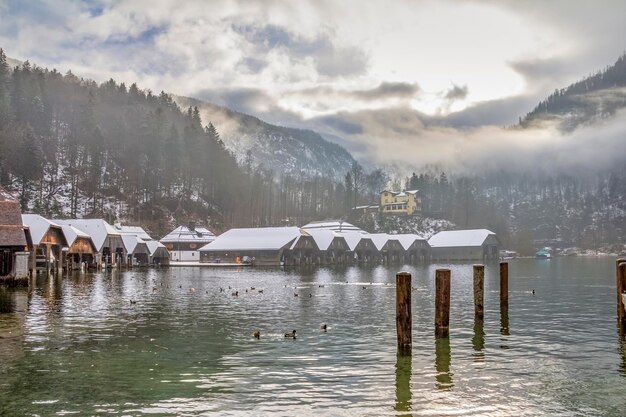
pixel 209 264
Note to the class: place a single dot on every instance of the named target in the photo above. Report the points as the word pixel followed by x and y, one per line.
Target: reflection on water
pixel 622 350
pixel 504 321
pixel 478 340
pixel 77 344
pixel 6 300
pixel 442 364
pixel 403 383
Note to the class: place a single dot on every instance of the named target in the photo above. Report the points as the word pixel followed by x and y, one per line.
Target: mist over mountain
pixel 594 98
pixel 282 149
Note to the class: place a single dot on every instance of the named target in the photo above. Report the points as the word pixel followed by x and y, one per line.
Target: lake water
pixel 78 346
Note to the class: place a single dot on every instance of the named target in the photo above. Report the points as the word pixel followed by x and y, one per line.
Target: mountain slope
pixel 283 149
pixel 595 97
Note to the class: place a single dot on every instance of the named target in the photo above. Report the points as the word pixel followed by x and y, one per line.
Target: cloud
pixel 456 93
pixel 401 138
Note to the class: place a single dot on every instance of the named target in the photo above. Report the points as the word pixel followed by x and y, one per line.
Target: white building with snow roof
pixel 461 245
pixel 184 243
pixel 263 245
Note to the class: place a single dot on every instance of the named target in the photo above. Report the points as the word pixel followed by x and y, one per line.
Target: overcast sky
pixel 366 72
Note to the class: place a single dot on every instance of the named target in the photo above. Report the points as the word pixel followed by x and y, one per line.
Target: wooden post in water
pixel 479 291
pixel 442 303
pixel 621 287
pixel 404 323
pixel 504 284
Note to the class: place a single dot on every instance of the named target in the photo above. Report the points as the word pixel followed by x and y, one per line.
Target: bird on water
pixel 257 334
pixel 291 335
pixel 323 326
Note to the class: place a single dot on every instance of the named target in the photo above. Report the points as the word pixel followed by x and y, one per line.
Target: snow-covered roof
pixel 406 240
pixel 39 226
pixel 336 225
pixel 184 234
pixel 98 229
pixel 262 238
pixel 133 244
pixel 323 238
pixel 132 230
pixel 379 239
pixel 354 238
pixel 154 246
pixel 71 234
pixel 460 238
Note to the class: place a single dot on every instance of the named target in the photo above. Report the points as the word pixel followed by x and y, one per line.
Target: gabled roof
pixel 71 234
pixel 132 230
pixel 323 238
pixel 262 238
pixel 134 245
pixel 39 226
pixel 407 239
pixel 460 238
pixel 98 229
pixel 379 239
pixel 184 234
pixel 336 225
pixel 155 246
pixel 11 224
pixel 354 238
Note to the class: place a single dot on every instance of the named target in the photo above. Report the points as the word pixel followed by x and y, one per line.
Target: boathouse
pixel 464 245
pixel 334 225
pixel 48 242
pixel 302 251
pixel 332 246
pixel 157 253
pixel 80 248
pixel 14 245
pixel 184 243
pixel 416 247
pixel 262 246
pixel 136 250
pixel 360 247
pixel 108 241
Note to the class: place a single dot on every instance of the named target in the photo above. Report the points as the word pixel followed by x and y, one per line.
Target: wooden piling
pixel 504 284
pixel 442 303
pixel 404 322
pixel 479 291
pixel 621 287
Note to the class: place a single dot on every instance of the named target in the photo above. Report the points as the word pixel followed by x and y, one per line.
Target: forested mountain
pixel 261 144
pixel 70 147
pixel 595 97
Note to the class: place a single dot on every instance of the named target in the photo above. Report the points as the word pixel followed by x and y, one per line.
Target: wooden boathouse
pixel 263 246
pixel 464 245
pixel 14 240
pixel 48 243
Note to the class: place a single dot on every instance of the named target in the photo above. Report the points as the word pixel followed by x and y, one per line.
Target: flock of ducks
pixel 257 333
pixel 289 335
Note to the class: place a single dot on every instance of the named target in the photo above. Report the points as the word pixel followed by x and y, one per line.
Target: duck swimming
pixel 291 335
pixel 323 326
pixel 257 334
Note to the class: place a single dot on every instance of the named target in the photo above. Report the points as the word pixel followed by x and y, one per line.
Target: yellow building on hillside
pixel 403 202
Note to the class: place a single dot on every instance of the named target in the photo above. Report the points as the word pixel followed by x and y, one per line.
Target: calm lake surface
pixel 77 346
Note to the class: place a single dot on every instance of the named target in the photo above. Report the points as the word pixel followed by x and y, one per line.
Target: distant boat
pixel 508 254
pixel 543 254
